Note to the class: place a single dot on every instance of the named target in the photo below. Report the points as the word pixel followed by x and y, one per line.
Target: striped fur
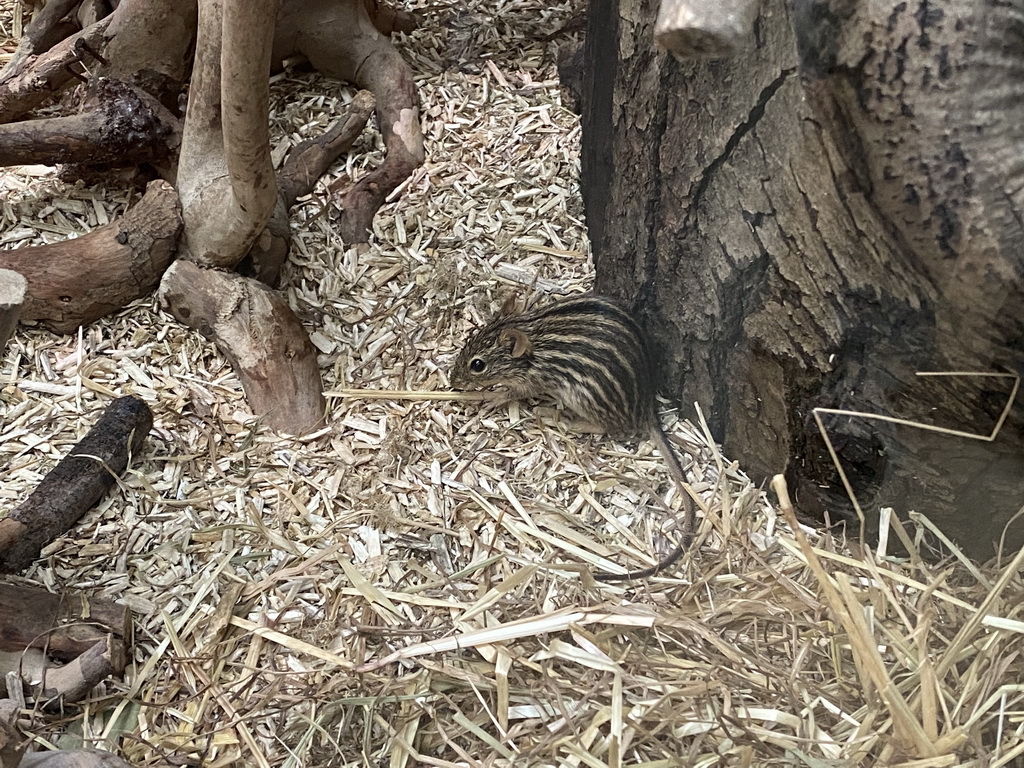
pixel 584 351
pixel 588 353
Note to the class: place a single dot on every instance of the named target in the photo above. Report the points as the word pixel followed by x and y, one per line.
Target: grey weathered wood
pixel 697 28
pixel 259 334
pixel 12 298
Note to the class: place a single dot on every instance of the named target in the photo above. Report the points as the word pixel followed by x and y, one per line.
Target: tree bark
pixel 255 329
pixel 123 125
pixel 811 222
pixel 74 486
pixel 75 282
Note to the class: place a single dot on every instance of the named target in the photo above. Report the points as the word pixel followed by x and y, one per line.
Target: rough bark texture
pixel 122 125
pixel 78 481
pixel 65 625
pixel 255 329
pixel 809 223
pixel 74 282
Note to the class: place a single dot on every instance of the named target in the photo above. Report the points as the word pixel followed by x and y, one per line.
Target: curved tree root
pixel 340 40
pixel 255 329
pixel 297 176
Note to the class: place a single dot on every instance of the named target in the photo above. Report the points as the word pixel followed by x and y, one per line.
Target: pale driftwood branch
pixel 696 28
pixel 74 282
pixel 66 625
pixel 73 681
pixel 12 297
pixel 77 482
pixel 225 172
pixel 255 329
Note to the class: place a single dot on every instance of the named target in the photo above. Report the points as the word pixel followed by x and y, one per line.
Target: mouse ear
pixel 509 306
pixel 521 344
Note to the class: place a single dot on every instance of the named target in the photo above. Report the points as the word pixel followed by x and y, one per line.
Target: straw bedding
pixel 409 585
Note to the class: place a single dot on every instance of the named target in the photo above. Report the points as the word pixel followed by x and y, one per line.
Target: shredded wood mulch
pixel 410 585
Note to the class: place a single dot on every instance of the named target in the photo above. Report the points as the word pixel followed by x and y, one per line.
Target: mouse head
pixel 499 354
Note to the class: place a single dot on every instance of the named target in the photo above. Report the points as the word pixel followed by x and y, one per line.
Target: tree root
pixel 340 40
pixel 262 338
pixel 298 175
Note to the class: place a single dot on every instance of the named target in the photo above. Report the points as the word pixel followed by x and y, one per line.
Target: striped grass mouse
pixel 588 353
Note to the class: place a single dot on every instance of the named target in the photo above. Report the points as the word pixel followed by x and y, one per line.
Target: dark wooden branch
pixel 297 177
pixel 74 282
pixel 65 625
pixel 340 40
pixel 121 125
pixel 12 297
pixel 78 481
pixel 255 329
pixel 308 161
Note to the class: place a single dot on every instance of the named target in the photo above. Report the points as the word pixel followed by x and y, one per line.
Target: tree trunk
pixel 810 223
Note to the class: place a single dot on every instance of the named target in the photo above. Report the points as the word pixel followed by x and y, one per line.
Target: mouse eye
pixel 476 365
